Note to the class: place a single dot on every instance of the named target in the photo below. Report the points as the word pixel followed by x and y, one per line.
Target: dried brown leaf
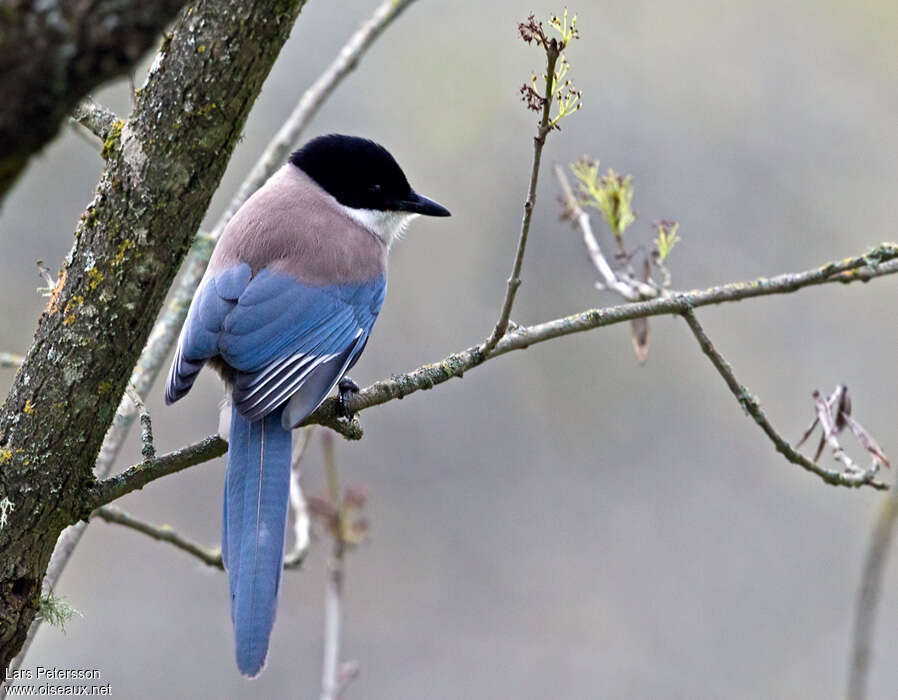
pixel 867 441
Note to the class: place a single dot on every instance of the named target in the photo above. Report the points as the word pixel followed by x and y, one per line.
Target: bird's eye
pixel 374 188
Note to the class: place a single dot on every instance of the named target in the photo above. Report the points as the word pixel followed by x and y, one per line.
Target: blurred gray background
pixel 561 523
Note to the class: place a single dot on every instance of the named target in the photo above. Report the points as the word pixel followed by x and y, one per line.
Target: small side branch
pixel 140 475
pixel 94 117
pixel 163 533
pixel 879 262
pixel 752 406
pixel 160 533
pixel 7 359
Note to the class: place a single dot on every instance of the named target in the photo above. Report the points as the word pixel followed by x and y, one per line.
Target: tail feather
pixel 254 523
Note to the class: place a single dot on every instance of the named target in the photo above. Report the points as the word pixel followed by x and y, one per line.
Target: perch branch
pixel 879 262
pixel 160 533
pixel 752 406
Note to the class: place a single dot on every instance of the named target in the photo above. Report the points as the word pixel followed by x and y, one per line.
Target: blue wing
pixel 285 340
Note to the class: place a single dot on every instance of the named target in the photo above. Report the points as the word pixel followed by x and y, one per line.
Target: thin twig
pixel 164 533
pixel 539 141
pixel 868 597
pixel 140 475
pixel 148 448
pixel 752 406
pixel 334 585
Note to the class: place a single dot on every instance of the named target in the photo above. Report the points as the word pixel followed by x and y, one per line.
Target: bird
pixel 282 313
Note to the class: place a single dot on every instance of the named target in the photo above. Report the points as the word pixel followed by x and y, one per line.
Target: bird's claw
pixel 347 389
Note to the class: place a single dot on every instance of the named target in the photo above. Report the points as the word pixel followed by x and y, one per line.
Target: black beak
pixel 420 204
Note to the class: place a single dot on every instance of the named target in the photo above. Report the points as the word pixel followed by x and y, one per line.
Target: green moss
pixel 113 138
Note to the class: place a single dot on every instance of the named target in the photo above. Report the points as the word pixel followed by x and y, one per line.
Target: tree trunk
pixel 164 164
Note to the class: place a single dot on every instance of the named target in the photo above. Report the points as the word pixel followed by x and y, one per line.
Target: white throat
pixel 388 226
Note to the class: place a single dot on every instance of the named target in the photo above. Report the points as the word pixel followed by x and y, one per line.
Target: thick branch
pixel 514 280
pixel 53 53
pixel 752 406
pixel 160 533
pixel 428 376
pixel 163 166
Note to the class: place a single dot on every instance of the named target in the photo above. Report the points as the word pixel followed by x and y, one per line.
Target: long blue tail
pixel 257 488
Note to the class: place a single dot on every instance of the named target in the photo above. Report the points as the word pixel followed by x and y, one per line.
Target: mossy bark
pixel 164 164
pixel 54 52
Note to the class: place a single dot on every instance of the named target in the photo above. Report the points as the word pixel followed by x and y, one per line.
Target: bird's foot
pixel 347 389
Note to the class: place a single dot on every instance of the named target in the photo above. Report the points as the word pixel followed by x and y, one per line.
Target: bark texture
pixel 54 52
pixel 163 165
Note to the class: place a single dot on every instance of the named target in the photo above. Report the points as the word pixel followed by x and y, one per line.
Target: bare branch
pixel 94 117
pixel 161 533
pixel 514 280
pixel 140 475
pixel 879 262
pixel 627 287
pixel 868 597
pixel 752 406
pixel 334 587
pixel 164 533
pixel 148 449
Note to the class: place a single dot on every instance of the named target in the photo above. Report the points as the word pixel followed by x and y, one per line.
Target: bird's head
pixel 367 181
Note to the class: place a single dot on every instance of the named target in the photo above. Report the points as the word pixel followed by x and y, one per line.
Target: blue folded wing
pixel 286 341
pixel 215 298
